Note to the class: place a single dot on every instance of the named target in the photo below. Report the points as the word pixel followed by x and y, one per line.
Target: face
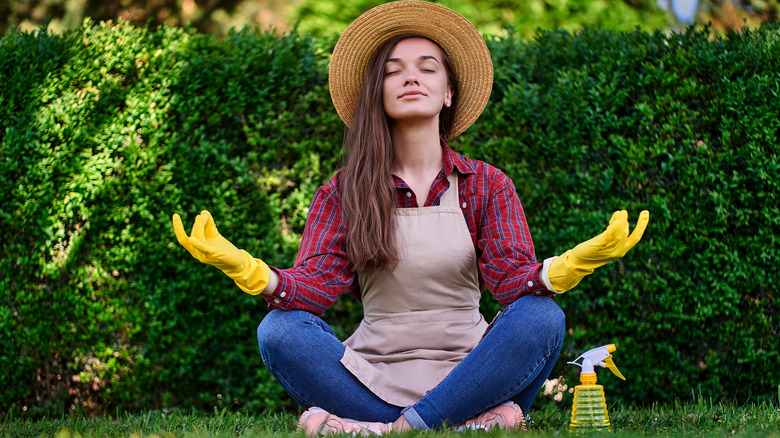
pixel 415 83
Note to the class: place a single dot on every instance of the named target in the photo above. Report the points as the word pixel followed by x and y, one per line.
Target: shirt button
pixel 463 205
pixel 538 292
pixel 283 294
pixel 530 284
pixel 408 194
pixel 276 301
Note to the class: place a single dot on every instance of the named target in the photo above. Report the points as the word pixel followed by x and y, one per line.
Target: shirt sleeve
pixel 322 271
pixel 507 259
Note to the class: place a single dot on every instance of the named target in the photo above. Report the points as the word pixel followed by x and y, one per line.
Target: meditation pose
pixel 416 232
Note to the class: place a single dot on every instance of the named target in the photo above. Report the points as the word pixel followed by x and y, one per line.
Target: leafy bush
pixel 108 130
pixel 685 126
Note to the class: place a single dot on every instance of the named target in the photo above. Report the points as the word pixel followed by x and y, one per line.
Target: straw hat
pixel 456 35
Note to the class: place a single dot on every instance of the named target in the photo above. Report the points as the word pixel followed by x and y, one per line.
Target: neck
pixel 416 150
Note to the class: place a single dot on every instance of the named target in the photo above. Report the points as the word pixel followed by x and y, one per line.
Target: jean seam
pixel 414 419
pixel 314 320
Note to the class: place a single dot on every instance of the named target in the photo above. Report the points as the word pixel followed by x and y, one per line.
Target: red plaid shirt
pixel 507 264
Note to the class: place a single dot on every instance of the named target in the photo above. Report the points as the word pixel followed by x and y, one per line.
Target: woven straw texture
pixel 456 35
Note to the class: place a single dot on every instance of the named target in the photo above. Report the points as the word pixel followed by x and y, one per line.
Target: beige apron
pixel 421 319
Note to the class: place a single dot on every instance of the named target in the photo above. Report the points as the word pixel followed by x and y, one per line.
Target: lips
pixel 412 93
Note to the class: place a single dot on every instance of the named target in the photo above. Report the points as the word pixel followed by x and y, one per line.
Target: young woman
pixel 416 232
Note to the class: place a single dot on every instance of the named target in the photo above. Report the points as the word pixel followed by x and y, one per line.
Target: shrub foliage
pixel 107 130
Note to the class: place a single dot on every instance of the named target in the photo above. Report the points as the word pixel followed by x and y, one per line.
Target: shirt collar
pixel 454 161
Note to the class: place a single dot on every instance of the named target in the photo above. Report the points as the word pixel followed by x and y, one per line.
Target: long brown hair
pixel 368 195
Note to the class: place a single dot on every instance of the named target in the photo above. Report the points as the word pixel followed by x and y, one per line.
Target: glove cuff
pixel 563 274
pixel 546 275
pixel 254 277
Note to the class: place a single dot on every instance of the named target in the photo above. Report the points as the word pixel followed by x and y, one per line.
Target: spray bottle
pixel 589 412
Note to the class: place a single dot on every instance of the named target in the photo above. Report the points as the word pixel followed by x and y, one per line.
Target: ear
pixel 448 96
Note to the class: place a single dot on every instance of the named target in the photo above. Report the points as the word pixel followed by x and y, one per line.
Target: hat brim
pixel 456 35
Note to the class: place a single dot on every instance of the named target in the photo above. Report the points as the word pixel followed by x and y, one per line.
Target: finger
pixel 181 235
pixel 615 217
pixel 201 232
pixel 641 225
pixel 210 227
pixel 624 224
pixel 618 225
pixel 198 228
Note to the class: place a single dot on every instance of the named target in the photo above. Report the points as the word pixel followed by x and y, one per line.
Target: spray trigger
pixel 612 367
pixel 599 356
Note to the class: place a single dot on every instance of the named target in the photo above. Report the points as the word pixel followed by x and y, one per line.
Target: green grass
pixel 700 418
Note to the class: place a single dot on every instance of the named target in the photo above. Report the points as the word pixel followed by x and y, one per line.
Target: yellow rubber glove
pixel 208 246
pixel 568 269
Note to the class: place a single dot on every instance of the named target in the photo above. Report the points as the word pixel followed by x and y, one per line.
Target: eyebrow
pixel 421 58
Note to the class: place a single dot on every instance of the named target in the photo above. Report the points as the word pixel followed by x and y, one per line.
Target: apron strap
pixel 450 197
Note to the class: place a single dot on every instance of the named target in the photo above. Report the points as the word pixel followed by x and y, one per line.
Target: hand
pixel 568 269
pixel 612 243
pixel 208 246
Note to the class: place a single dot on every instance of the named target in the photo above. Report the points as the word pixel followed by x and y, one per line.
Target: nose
pixel 411 79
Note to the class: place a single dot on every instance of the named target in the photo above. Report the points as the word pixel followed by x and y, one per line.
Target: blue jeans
pixel 510 363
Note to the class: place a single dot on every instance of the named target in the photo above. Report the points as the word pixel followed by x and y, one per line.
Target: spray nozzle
pixel 600 356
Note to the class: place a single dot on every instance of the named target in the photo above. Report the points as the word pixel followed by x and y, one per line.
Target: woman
pixel 416 232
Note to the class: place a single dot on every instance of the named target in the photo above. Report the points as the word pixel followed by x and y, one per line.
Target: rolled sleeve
pixel 322 270
pixel 507 263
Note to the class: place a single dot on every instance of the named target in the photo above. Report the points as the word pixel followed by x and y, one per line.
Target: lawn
pixel 683 419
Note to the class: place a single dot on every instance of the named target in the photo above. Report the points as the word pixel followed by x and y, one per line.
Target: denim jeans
pixel 511 362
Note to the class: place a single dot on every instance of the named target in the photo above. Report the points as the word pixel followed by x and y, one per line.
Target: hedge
pixel 107 130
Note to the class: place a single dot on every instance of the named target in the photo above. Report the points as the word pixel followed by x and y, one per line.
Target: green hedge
pixel 108 130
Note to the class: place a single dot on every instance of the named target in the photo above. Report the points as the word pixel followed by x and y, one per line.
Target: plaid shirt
pixel 506 261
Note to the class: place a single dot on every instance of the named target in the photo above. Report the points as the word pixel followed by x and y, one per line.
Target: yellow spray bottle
pixel 589 412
